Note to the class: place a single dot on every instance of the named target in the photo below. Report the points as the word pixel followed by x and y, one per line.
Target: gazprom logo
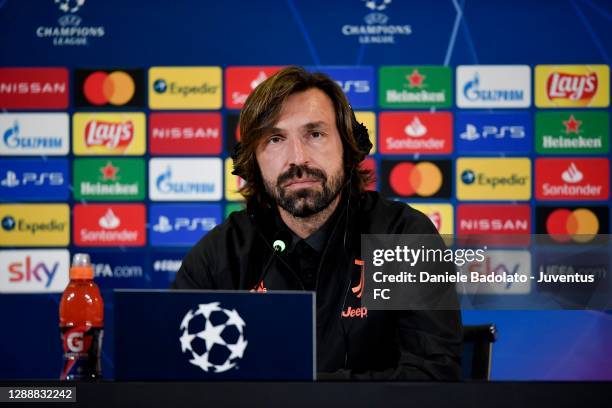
pixel 32 134
pixel 472 92
pixel 493 86
pixel 166 185
pixel 185 179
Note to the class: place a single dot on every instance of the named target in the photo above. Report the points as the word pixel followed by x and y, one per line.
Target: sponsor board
pixel 185 88
pixel 441 215
pixel 493 179
pixel 415 87
pixel 493 86
pixel 572 132
pixel 185 133
pixel 109 225
pixel 108 134
pixel 185 179
pixel 34 134
pixel 182 225
pixel 565 86
pixel 241 81
pixel 37 225
pixel 231 207
pixel 109 179
pixel 498 262
pixel 109 88
pixel 586 269
pixel 495 224
pixel 34 180
pixel 368 119
pixel 120 272
pixel 493 132
pixel 416 179
pixel 34 271
pixel 370 164
pixel 572 224
pixel 357 83
pixel 34 88
pixel 164 266
pixel 232 131
pixel 572 179
pixel 416 132
pixel 232 182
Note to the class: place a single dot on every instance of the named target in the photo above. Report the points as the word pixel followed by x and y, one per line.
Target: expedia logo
pixel 185 87
pixel 34 225
pixel 493 179
pixel 469 177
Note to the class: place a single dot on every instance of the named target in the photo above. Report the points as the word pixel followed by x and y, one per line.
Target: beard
pixel 307 201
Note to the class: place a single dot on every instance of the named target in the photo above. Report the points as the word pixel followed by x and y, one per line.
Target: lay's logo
pixel 572 86
pixel 109 133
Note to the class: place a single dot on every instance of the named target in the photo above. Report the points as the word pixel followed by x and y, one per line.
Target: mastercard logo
pixel 579 225
pixel 415 179
pixel 423 179
pixel 115 88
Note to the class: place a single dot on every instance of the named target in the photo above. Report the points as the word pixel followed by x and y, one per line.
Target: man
pixel 307 206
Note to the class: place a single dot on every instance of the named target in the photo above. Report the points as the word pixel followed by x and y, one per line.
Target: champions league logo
pixel 214 337
pixel 69 31
pixel 377 30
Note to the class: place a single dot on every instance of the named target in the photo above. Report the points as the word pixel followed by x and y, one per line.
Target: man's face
pixel 301 156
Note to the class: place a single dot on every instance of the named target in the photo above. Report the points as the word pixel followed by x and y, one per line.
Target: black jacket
pixel 351 342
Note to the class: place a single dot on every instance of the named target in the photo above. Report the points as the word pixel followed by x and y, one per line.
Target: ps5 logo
pixel 362 86
pixel 12 180
pixel 164 225
pixel 472 132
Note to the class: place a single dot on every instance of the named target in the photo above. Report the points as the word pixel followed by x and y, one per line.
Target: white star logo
pixel 208 308
pixel 201 361
pixel 212 335
pixel 237 349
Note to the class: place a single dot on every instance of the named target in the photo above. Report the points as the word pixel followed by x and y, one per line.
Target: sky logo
pixel 34 180
pixel 493 132
pixel 34 271
pixel 182 225
pixel 356 82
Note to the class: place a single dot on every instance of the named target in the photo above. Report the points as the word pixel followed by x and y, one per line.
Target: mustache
pixel 299 172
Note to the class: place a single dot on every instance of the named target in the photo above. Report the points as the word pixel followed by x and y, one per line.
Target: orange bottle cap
pixel 81 272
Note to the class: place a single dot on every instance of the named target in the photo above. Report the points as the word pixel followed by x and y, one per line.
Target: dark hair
pixel 261 111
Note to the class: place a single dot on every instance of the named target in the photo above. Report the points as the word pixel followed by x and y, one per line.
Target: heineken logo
pixel 105 179
pixel 415 87
pixel 572 132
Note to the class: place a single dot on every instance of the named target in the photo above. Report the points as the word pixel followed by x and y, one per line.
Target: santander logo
pixel 415 128
pixel 572 174
pixel 571 86
pixel 109 134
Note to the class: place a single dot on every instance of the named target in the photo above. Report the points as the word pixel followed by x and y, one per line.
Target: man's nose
pixel 298 154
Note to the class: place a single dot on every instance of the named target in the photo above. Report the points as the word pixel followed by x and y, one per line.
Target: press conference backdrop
pixel 119 117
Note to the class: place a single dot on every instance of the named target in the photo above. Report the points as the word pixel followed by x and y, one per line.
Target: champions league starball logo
pixel 213 336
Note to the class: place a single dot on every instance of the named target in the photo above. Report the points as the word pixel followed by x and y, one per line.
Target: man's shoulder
pixel 384 216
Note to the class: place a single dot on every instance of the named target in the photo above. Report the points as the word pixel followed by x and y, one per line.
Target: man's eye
pixel 316 134
pixel 274 139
